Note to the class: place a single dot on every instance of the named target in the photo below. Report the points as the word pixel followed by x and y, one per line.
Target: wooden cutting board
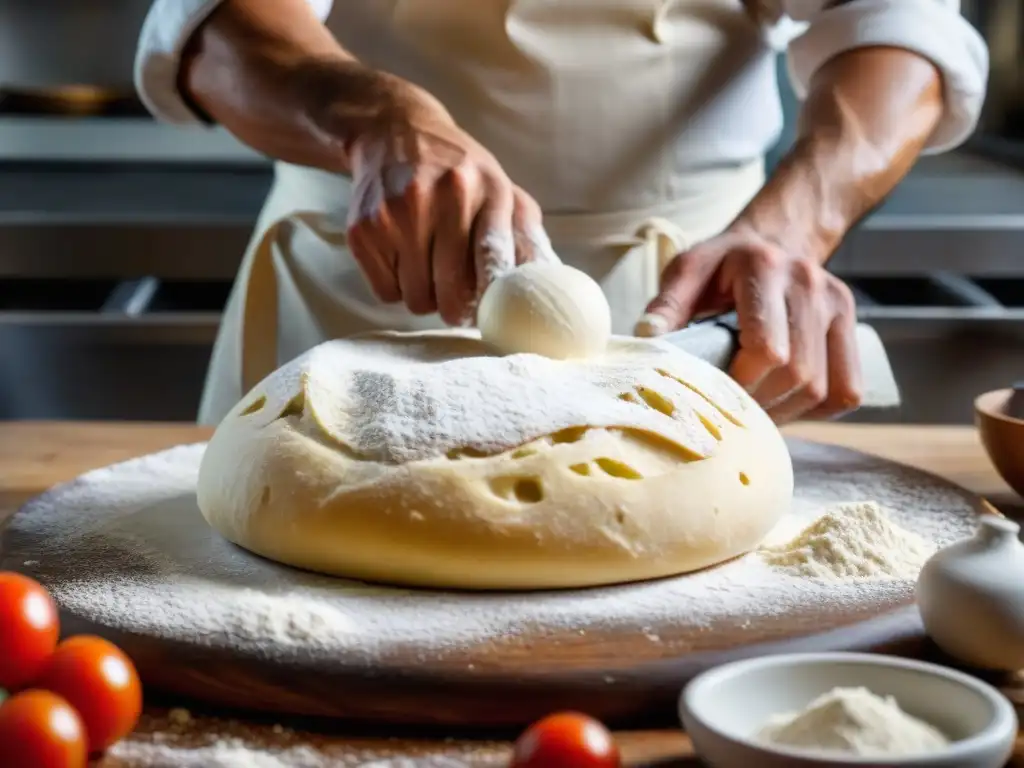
pixel 128 556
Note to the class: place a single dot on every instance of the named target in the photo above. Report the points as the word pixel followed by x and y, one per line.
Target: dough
pixel 421 459
pixel 547 308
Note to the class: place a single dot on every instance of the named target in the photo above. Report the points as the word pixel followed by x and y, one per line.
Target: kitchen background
pixel 119 237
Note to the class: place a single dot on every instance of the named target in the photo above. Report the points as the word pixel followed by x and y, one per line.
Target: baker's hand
pixel 798 353
pixel 434 217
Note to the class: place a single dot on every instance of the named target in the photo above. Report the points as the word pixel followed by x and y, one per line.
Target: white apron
pixel 299 285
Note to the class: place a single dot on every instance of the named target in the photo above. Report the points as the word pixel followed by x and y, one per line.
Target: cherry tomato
pixel 39 729
pixel 566 740
pixel 29 629
pixel 98 680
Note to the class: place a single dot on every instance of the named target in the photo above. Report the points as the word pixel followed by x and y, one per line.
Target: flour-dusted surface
pixel 126 547
pixel 853 540
pixel 396 398
pixel 204 741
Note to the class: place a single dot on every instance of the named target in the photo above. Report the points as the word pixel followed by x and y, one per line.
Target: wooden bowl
pixel 1002 435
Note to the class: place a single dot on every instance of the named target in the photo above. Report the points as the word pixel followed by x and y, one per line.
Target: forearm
pixel 868 115
pixel 274 76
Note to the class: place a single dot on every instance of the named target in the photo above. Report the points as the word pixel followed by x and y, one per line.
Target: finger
pixel 369 241
pixel 378 269
pixel 807 324
pixel 682 283
pixel 792 390
pixel 845 380
pixel 413 216
pixel 493 242
pixel 531 241
pixel 760 295
pixel 454 272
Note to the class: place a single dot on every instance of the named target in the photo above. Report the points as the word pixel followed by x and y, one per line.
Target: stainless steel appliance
pixel 1000 133
pixel 1001 22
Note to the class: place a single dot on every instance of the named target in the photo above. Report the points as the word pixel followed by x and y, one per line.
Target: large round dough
pixel 418 459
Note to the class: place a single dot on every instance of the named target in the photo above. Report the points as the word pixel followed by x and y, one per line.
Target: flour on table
pixel 211 742
pixel 127 547
pixel 854 540
pixel 854 721
pixel 236 753
pixel 231 753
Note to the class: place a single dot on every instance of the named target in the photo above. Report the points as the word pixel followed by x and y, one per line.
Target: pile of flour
pixel 855 540
pixel 854 721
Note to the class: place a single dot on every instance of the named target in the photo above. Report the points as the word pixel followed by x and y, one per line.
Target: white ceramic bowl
pixel 723 708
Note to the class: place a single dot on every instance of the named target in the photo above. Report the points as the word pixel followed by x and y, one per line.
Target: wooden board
pixel 119 546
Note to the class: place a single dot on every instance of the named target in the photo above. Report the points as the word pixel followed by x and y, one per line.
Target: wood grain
pixel 34 456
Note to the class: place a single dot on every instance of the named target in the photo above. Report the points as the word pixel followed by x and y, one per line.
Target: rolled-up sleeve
pixel 933 29
pixel 167 28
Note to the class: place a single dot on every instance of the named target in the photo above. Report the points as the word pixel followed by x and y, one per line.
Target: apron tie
pixel 664 240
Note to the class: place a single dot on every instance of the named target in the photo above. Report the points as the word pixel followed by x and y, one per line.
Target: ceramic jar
pixel 971 597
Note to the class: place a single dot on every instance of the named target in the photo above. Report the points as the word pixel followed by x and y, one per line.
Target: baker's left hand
pixel 798 354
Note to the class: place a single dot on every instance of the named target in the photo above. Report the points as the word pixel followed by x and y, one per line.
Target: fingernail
pixel 651 324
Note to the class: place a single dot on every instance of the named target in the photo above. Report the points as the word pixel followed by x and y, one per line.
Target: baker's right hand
pixel 434 218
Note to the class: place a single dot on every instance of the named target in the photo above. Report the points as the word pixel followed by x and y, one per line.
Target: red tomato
pixel 38 729
pixel 29 629
pixel 100 682
pixel 566 740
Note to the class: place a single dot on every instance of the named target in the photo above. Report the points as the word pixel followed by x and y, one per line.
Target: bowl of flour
pixel 833 709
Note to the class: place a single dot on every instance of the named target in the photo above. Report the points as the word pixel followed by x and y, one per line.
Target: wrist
pixel 806 208
pixel 347 103
pixel 867 116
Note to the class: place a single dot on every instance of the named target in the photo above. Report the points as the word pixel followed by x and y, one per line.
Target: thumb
pixel 683 283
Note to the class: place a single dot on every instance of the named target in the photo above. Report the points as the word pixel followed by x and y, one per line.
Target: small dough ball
pixel 545 308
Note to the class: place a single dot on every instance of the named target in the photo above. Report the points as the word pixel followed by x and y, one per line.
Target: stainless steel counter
pixel 173 221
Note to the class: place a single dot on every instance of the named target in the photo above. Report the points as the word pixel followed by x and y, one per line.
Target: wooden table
pixel 34 456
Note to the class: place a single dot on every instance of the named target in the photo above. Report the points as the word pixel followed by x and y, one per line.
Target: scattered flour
pixel 127 547
pixel 229 753
pixel 177 741
pixel 854 721
pixel 855 540
pixel 237 753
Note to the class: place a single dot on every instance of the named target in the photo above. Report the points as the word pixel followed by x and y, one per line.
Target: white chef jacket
pixel 811 31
